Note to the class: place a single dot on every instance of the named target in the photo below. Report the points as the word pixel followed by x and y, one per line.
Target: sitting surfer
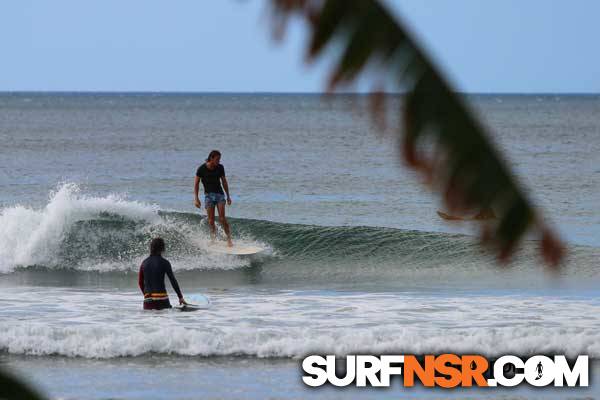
pixel 212 174
pixel 152 278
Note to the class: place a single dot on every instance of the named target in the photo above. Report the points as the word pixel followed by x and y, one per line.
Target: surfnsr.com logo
pixel 445 371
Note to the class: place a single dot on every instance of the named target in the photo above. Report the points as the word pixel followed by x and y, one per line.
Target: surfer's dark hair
pixel 157 246
pixel 213 154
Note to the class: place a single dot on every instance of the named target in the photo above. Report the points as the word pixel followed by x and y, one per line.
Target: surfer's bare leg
pixel 210 212
pixel 224 223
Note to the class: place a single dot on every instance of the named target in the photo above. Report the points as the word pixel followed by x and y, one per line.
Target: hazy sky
pixel 225 45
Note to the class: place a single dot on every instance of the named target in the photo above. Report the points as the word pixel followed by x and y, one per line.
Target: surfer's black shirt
pixel 152 278
pixel 211 178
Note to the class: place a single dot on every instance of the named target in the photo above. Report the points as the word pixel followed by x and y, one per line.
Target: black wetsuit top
pixel 211 178
pixel 152 278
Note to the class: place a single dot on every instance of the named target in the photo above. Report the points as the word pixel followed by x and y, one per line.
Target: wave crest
pixel 84 232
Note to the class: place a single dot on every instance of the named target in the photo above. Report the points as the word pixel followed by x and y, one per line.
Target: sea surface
pixel 357 260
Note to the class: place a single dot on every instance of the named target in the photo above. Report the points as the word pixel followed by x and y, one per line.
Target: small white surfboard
pixel 237 249
pixel 196 302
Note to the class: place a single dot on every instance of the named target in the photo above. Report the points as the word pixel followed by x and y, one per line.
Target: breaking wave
pixel 86 233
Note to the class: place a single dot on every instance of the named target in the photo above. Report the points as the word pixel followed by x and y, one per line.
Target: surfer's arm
pixel 173 281
pixel 225 186
pixel 141 278
pixel 196 188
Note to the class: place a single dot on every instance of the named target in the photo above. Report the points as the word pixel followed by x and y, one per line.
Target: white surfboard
pixel 238 249
pixel 196 302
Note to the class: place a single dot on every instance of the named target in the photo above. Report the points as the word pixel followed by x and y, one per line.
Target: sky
pixel 484 46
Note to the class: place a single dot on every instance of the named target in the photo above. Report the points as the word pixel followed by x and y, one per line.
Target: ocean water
pixel 357 260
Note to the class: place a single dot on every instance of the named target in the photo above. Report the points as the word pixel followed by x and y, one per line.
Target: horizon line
pixel 175 92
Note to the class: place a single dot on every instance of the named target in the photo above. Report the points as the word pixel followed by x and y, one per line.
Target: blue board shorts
pixel 212 199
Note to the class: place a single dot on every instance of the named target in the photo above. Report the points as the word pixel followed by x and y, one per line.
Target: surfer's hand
pixel 197 203
pixel 182 302
pixel 229 201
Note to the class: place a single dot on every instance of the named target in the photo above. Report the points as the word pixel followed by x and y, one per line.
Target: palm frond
pixel 12 389
pixel 440 137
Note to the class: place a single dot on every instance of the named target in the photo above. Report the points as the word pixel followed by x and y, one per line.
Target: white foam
pixel 31 236
pixel 289 324
pixel 109 342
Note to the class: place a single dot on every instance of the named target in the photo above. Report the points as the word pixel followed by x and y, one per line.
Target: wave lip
pixel 102 234
pixel 31 237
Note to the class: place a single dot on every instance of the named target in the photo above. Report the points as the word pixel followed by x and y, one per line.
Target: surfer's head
pixel 157 246
pixel 214 157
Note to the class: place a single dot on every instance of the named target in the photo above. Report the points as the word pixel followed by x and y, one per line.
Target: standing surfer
pixel 212 174
pixel 152 278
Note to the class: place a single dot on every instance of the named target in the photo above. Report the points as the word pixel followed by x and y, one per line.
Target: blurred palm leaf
pixel 12 389
pixel 440 137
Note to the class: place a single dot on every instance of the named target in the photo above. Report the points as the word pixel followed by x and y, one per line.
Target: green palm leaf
pixel 440 136
pixel 13 389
